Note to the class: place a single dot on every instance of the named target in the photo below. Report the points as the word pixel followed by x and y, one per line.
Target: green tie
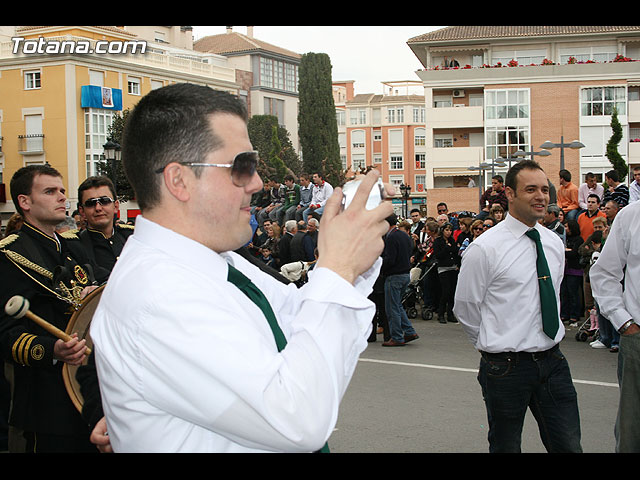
pixel 548 304
pixel 256 296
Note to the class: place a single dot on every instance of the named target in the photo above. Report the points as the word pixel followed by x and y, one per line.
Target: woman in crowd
pixel 571 288
pixel 445 251
pixel 497 212
pixel 476 230
pixel 464 231
pixel 273 237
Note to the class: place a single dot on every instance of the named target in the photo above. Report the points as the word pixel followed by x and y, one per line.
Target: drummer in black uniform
pixel 54 274
pixel 104 239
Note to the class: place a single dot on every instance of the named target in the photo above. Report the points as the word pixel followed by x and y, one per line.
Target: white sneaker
pixel 597 344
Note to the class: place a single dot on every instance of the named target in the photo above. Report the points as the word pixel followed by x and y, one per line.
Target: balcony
pixel 455 158
pixel 455 117
pixel 479 76
pixel 634 111
pixel 634 153
pixel 32 144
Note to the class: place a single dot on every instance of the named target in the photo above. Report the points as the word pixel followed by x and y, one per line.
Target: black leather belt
pixel 519 355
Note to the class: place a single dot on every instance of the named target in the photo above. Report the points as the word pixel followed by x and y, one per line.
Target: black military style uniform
pixel 50 273
pixel 105 251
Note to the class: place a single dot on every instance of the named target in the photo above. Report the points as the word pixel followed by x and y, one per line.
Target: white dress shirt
pixel 321 193
pixel 621 248
pixel 584 191
pixel 634 191
pixel 187 363
pixel 497 296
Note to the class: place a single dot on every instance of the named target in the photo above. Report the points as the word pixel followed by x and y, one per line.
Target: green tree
pixel 619 165
pixel 264 131
pixel 114 133
pixel 317 124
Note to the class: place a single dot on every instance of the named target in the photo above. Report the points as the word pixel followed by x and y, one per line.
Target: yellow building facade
pixel 58 96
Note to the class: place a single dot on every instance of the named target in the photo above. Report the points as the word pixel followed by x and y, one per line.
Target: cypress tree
pixel 317 124
pixel 619 165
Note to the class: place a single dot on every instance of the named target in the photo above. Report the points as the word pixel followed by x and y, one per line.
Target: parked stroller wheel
pixel 582 336
pixel 412 312
pixel 427 314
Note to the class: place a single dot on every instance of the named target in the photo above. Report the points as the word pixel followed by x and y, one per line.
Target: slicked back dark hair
pixel 172 124
pixel 22 181
pixel 511 177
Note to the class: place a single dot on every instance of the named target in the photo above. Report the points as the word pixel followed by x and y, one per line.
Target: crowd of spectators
pixel 287 220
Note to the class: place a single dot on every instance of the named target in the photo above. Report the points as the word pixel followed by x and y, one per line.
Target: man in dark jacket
pixel 396 264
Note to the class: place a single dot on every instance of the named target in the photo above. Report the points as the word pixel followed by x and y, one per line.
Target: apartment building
pixel 385 131
pixel 267 74
pixel 58 95
pixel 491 91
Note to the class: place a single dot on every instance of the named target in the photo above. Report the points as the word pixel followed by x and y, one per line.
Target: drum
pixel 79 323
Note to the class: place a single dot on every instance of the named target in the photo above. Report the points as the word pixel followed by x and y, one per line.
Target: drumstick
pixel 18 307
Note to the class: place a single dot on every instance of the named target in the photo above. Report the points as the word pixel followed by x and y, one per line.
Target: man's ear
pixel 25 202
pixel 509 193
pixel 176 182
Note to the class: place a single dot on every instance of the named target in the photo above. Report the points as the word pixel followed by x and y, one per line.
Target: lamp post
pixel 112 153
pixel 405 191
pixel 575 145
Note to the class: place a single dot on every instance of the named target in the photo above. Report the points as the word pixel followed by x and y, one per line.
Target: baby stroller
pixel 589 328
pixel 413 294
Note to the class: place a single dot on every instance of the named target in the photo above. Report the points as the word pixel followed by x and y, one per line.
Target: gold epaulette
pixel 70 234
pixel 8 240
pixel 124 225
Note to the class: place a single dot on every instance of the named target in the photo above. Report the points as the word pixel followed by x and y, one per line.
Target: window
pixel 523 57
pixel 278 74
pixel 420 183
pixel 357 139
pixel 275 107
pixel 396 161
pixel 442 140
pixel 377 158
pixel 420 137
pixel 396 181
pixel 602 100
pixel 421 160
pixel 341 117
pixel 395 114
pixel 32 80
pixel 442 101
pixel 96 126
pixel 503 142
pixel 583 54
pixel 133 86
pixel 418 115
pixel 503 104
pixel 357 162
pixel 377 135
pixel 358 116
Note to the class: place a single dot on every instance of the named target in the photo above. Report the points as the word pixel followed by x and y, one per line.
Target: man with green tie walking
pixel 507 301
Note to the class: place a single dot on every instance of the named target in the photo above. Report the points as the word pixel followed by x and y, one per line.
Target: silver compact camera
pixel 376 196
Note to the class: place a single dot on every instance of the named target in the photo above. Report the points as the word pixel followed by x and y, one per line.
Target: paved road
pixel 424 397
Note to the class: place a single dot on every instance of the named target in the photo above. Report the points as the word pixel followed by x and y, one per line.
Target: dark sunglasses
pixel 478 228
pixel 92 202
pixel 243 167
pixel 486 225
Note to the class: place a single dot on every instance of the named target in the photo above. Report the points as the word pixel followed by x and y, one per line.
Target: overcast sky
pixel 367 55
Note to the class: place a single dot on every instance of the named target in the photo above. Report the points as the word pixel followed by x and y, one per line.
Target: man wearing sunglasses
pixel 103 238
pixel 196 348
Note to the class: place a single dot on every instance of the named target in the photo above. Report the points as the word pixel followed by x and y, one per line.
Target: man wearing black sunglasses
pixel 197 349
pixel 103 238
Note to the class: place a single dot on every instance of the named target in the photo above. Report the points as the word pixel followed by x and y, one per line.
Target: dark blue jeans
pixel 512 382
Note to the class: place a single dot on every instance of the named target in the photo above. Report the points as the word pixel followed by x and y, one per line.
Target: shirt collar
pixel 184 249
pixel 516 227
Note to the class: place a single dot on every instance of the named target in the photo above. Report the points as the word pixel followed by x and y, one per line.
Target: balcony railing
pixel 32 144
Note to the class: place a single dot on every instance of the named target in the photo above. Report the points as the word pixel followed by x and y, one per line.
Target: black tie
pixel 548 304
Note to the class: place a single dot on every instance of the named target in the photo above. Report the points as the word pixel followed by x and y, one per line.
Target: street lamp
pixel 548 145
pixel 405 191
pixel 112 153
